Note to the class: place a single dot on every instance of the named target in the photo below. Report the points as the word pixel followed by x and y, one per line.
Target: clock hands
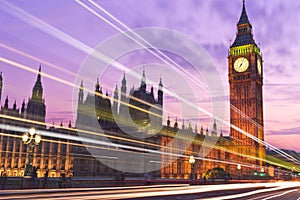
pixel 241 63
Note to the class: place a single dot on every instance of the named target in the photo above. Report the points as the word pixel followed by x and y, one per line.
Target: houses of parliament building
pixel 65 156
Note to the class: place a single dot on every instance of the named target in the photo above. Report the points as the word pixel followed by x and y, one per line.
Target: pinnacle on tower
pixel 37 91
pixel 80 94
pixel 201 130
pixel 168 121
pixel 176 124
pixel 244 17
pixel 160 84
pixel 15 105
pixel 6 103
pixel 97 86
pixel 39 74
pixel 23 107
pixel 81 84
pixel 215 125
pixel 124 79
pixel 143 82
pixel 116 93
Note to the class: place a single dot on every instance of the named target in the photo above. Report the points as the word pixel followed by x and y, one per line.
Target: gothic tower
pixel 123 98
pixel 246 100
pixel 80 94
pixel 116 101
pixel 36 109
pixel 160 101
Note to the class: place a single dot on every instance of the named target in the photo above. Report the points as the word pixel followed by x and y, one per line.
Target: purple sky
pixel 211 23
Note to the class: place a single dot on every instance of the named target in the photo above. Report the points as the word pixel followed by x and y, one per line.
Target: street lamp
pixel 239 167
pixel 192 162
pixel 31 139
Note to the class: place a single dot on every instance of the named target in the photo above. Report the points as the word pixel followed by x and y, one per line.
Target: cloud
pixel 286 132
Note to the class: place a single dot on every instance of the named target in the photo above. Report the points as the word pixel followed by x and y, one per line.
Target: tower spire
pixel 38 80
pixel 143 82
pixel 80 93
pixel 97 86
pixel 37 91
pixel 244 17
pixel 244 30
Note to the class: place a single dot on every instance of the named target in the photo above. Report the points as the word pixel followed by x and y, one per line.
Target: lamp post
pixel 192 162
pixel 31 139
pixel 239 167
pixel 262 172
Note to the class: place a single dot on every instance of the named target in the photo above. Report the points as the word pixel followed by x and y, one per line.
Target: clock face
pixel 259 66
pixel 241 64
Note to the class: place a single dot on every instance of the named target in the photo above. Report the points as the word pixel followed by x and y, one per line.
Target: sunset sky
pixel 211 23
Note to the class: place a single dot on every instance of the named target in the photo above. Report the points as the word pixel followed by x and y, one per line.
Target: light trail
pixel 10 62
pixel 176 67
pixel 75 138
pixel 273 187
pixel 186 73
pixel 270 187
pixel 281 194
pixel 38 60
pixel 159 191
pixel 35 22
pixel 20 129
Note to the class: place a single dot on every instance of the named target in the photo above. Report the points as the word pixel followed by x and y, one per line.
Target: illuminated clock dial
pixel 241 64
pixel 259 66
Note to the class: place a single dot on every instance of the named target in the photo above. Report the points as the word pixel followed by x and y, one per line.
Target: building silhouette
pixel 138 111
pixel 141 111
pixel 52 154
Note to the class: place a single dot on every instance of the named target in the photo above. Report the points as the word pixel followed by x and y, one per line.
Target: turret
pixel 123 97
pixel 115 100
pixel 23 108
pixel 80 93
pixel 160 93
pixel 168 122
pixel 15 106
pixel 6 103
pixel 202 131
pixel 176 124
pixel 143 83
pixel 97 86
pixel 214 131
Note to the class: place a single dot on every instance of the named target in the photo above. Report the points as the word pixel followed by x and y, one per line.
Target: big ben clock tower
pixel 245 69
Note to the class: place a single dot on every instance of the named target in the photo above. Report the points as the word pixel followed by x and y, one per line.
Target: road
pixel 249 191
